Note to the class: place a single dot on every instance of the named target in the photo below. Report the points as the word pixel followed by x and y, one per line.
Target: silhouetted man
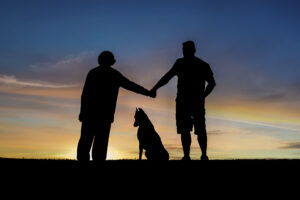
pixel 98 103
pixel 192 73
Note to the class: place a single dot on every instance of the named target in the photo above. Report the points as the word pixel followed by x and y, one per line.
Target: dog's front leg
pixel 141 152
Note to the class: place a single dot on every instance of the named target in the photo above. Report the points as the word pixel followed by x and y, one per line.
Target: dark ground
pixel 137 176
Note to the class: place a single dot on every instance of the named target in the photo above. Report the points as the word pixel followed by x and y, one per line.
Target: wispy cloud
pixel 12 80
pixel 291 145
pixel 68 70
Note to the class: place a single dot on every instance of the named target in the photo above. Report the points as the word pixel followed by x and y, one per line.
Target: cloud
pixel 276 92
pixel 60 78
pixel 215 132
pixel 291 145
pixel 12 80
pixel 67 70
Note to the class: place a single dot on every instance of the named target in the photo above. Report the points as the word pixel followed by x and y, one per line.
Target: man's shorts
pixel 189 116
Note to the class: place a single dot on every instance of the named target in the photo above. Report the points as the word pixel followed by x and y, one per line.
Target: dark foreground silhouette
pixel 100 93
pixel 193 74
pixel 242 166
pixel 134 178
pixel 148 138
pixel 98 104
pixel 172 169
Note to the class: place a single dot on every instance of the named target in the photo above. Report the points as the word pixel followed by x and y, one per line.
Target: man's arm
pixel 129 85
pixel 210 86
pixel 163 81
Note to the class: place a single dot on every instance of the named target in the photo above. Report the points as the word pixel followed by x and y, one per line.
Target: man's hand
pixel 152 93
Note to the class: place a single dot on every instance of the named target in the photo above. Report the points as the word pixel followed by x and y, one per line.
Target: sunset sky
pixel 47 48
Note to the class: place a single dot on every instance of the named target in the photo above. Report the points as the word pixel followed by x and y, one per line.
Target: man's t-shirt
pixel 192 74
pixel 100 93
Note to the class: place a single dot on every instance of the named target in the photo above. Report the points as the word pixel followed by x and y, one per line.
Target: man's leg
pixel 85 143
pixel 101 142
pixel 202 140
pixel 184 126
pixel 200 130
pixel 186 144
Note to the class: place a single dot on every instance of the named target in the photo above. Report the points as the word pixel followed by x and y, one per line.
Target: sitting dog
pixel 148 138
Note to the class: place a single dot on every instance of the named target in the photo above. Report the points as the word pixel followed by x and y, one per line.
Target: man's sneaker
pixel 186 158
pixel 204 157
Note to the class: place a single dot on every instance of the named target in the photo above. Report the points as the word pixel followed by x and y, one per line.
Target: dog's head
pixel 140 117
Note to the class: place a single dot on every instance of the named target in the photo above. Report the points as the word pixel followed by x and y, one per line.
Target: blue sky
pixel 47 48
pixel 264 34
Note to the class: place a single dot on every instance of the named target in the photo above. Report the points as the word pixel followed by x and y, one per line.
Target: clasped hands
pixel 152 93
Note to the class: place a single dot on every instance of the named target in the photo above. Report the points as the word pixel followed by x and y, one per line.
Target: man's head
pixel 106 58
pixel 188 49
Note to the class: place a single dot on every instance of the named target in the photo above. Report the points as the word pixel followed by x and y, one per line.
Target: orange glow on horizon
pixel 52 130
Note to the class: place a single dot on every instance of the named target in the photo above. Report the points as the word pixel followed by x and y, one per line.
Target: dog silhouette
pixel 149 138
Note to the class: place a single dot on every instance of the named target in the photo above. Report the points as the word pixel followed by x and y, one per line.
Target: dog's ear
pixel 136 110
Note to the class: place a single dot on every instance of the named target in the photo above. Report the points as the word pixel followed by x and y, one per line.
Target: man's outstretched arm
pixel 210 86
pixel 164 80
pixel 129 85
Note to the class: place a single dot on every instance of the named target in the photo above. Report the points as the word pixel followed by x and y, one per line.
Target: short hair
pixel 189 44
pixel 105 57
